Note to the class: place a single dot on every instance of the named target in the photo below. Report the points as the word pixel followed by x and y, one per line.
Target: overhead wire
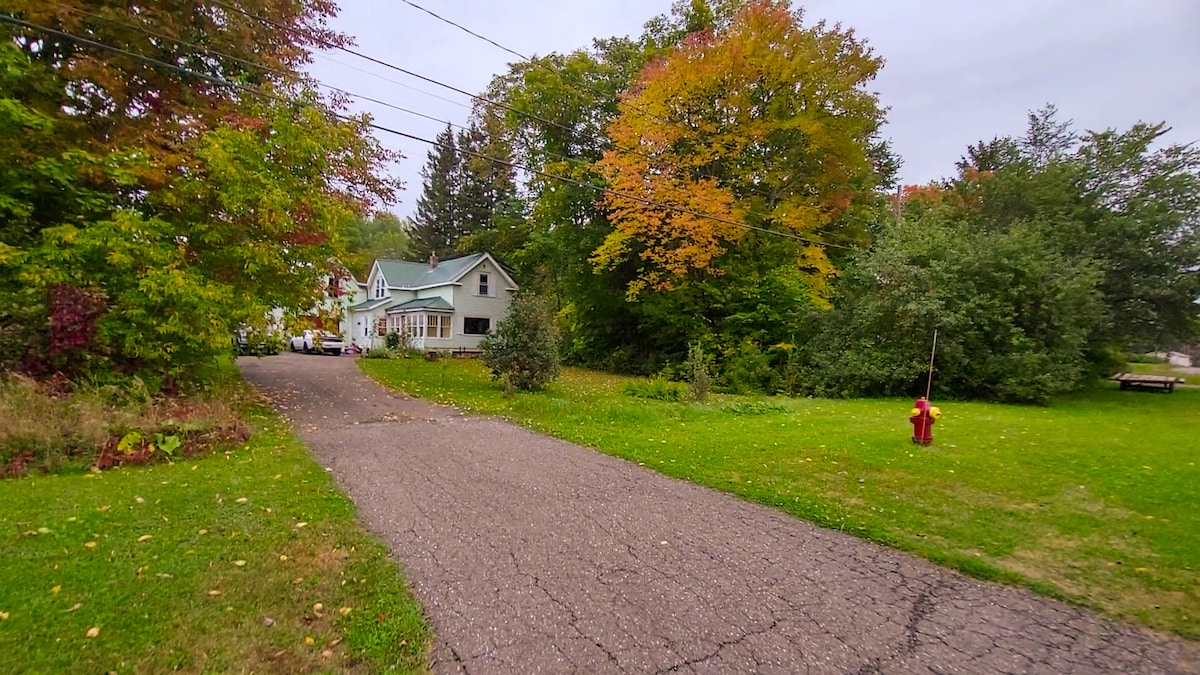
pixel 515 165
pixel 331 45
pixel 556 71
pixel 201 50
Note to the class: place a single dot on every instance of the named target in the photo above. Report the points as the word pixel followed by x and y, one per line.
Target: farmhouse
pixel 438 305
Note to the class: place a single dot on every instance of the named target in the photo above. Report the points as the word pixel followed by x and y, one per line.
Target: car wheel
pixel 292 346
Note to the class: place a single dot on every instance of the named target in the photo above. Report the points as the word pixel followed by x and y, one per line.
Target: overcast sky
pixel 957 71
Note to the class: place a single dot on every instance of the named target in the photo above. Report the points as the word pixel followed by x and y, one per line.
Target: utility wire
pixel 528 59
pixel 258 92
pixel 331 45
pixel 209 51
pixel 327 44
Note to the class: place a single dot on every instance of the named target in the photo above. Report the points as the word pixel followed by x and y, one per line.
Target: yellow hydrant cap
pixel 914 412
pixel 935 412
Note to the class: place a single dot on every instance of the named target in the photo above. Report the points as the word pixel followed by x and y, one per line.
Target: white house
pixel 450 304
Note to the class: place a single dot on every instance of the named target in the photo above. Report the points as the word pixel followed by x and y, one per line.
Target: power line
pixel 553 70
pixel 201 50
pixel 253 90
pixel 528 59
pixel 332 45
pixel 475 97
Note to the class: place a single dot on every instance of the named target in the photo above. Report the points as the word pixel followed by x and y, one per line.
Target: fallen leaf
pixel 308 640
pixel 344 611
pixel 301 524
pixel 164 575
pixel 214 592
pixel 93 631
pixel 139 500
pixel 3 616
pixel 241 500
pixel 283 558
pixel 89 544
pixel 89 475
pixel 335 642
pixel 327 653
pixel 239 563
pixel 55 590
pixel 145 537
pixel 277 476
pixel 1141 569
pixel 298 580
pixel 268 621
pixel 75 607
pixel 104 508
pixel 43 530
pixel 202 532
pixel 318 607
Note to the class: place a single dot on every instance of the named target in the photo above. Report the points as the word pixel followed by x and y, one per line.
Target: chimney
pixel 433 261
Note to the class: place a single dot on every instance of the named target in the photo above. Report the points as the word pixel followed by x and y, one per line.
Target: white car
pixel 317 341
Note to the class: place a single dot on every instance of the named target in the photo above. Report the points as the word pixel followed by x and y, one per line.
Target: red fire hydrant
pixel 922 417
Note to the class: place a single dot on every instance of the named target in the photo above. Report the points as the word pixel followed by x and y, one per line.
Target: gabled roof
pixel 422 303
pixel 402 274
pixel 369 305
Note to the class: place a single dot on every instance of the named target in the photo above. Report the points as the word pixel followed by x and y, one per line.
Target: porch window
pixel 476 325
pixel 483 284
pixel 438 326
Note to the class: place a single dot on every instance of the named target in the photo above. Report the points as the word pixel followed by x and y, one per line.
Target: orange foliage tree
pixel 765 124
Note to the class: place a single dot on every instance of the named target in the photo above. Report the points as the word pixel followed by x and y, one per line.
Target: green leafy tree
pixel 1124 201
pixel 523 349
pixel 383 235
pixel 153 211
pixel 1013 315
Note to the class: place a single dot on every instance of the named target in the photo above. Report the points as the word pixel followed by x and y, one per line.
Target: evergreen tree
pixel 437 226
pixel 487 188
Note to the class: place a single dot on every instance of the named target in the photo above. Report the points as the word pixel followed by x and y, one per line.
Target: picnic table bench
pixel 1138 381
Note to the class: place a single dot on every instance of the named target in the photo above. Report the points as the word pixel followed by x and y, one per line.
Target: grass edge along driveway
pixel 1092 499
pixel 247 560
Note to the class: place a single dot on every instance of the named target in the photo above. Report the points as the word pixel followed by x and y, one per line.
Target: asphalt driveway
pixel 531 554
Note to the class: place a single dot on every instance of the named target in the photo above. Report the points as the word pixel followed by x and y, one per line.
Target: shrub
pixel 754 408
pixel 523 350
pixel 658 389
pixel 747 370
pixel 393 340
pixel 698 379
pixel 48 429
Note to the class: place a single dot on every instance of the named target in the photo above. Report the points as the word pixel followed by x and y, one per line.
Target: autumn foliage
pixel 765 124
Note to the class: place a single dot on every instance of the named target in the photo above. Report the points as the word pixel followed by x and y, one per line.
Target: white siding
pixel 469 303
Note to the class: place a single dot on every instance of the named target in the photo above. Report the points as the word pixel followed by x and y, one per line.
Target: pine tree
pixel 437 224
pixel 489 205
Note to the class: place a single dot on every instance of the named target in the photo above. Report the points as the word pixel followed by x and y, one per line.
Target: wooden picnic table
pixel 1156 382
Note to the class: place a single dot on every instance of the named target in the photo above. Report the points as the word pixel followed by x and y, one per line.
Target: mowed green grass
pixel 246 561
pixel 1095 498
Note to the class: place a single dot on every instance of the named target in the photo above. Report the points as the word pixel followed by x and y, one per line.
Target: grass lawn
pixel 246 561
pixel 1160 369
pixel 1095 499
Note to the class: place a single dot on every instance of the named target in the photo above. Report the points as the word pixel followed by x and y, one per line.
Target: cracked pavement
pixel 531 554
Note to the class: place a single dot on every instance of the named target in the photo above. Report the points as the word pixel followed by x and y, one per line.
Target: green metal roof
pixel 368 305
pixel 403 274
pixel 422 303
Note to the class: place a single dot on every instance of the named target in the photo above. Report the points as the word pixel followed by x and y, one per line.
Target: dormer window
pixel 380 288
pixel 483 284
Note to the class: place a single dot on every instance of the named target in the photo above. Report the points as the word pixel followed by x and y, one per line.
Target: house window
pixel 483 284
pixel 476 326
pixel 380 288
pixel 438 326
